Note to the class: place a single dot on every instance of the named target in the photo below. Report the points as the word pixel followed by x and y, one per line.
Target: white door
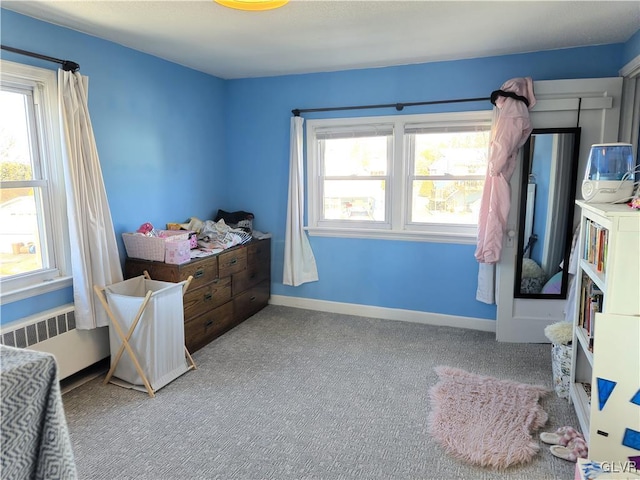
pixel 594 105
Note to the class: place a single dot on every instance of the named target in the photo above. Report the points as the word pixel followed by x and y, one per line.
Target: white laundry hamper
pixel 146 334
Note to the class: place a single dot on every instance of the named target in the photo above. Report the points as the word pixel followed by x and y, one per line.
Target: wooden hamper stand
pixel 126 338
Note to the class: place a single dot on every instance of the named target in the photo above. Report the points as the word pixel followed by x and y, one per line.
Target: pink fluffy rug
pixel 483 420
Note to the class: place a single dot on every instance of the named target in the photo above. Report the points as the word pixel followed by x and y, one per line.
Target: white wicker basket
pixel 150 248
pixel 561 369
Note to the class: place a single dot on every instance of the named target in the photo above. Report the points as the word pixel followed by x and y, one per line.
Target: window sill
pixel 404 235
pixel 10 296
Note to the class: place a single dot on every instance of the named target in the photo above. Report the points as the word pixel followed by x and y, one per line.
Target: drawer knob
pixel 209 323
pixel 208 297
pixel 233 262
pixel 253 298
pixel 198 273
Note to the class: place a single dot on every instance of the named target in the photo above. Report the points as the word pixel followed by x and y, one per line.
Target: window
pixel 355 166
pixel 32 223
pixel 414 177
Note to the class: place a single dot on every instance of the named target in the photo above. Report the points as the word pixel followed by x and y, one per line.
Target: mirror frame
pixel 524 180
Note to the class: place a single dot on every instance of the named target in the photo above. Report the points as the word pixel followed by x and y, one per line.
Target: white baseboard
pixel 385 313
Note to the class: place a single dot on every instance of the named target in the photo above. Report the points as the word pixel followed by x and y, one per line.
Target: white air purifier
pixel 609 177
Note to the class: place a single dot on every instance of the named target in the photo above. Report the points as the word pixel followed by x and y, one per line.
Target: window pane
pixel 15 157
pixel 20 246
pixel 354 200
pixel 458 154
pixel 22 234
pixel 362 156
pixel 453 153
pixel 446 201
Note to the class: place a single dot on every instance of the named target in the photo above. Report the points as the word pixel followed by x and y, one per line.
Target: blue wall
pixel 429 277
pixel 159 129
pixel 176 143
pixel 631 49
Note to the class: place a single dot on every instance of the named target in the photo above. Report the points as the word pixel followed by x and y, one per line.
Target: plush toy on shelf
pixel 147 229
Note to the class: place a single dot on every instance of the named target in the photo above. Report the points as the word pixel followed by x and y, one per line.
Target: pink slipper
pixel 576 448
pixel 562 436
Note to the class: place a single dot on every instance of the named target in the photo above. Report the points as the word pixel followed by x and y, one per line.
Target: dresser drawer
pixel 156 270
pixel 202 271
pixel 253 275
pixel 258 267
pixel 205 298
pixel 259 252
pixel 252 301
pixel 232 261
pixel 202 329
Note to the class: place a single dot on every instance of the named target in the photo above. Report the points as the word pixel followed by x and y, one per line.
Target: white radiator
pixel 54 331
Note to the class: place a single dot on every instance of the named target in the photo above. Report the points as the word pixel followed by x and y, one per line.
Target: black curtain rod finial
pixel 69 66
pixel 296 112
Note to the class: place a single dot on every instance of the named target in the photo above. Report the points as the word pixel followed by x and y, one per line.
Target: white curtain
pixel 299 262
pixel 94 251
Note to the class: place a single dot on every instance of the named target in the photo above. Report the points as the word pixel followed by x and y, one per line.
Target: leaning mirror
pixel 548 189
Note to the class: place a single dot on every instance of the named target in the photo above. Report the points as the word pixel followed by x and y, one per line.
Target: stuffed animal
pixel 146 229
pixel 533 277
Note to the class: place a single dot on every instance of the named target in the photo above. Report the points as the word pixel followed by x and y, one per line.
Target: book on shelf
pixel 602 248
pixel 595 245
pixel 583 296
pixel 591 300
pixel 595 306
pixel 587 390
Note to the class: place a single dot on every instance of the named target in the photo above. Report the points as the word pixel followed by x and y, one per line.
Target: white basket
pixel 150 248
pixel 561 369
pixel 158 340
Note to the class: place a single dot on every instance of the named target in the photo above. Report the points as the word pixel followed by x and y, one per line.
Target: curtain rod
pixel 398 106
pixel 67 65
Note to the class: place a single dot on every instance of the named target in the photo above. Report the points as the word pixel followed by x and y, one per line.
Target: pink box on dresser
pixel 177 252
pixel 182 235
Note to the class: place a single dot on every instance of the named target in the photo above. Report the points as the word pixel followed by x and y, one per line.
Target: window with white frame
pixel 414 177
pixel 33 236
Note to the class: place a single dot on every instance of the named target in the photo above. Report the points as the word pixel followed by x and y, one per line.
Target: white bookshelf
pixel 606 344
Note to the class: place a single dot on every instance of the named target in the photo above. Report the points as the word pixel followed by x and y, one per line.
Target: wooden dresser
pixel 227 288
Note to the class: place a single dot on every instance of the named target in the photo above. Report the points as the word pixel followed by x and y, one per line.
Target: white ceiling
pixel 314 36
